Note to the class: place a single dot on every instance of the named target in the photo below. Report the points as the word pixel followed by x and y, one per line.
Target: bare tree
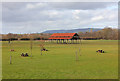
pixel 42 45
pixel 76 55
pixel 31 44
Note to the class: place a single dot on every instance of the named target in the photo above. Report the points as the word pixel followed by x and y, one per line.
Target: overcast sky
pixel 26 17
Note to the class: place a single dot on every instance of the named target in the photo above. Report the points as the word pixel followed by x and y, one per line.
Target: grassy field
pixel 60 61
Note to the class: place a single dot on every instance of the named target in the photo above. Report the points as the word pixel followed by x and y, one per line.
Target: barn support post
pixel 69 41
pixel 60 41
pixel 57 41
pixel 63 41
pixel 79 40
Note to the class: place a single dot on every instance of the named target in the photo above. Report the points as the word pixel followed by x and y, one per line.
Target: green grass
pixel 59 62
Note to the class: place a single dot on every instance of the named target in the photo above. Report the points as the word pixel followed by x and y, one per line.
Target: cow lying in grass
pixel 24 55
pixel 12 50
pixel 43 49
pixel 100 51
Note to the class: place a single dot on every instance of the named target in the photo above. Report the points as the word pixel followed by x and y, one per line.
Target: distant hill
pixel 72 30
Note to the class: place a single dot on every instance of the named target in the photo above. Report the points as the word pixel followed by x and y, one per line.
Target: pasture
pixel 59 62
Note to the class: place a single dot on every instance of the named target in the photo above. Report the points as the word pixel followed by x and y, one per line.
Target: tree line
pixel 106 33
pixel 11 36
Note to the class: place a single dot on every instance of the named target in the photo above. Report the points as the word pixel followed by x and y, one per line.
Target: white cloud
pixel 36 5
pixel 30 6
pixel 112 17
pixel 53 14
pixel 97 18
pixel 76 12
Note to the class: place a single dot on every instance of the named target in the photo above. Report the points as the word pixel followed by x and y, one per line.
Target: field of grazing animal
pixel 59 62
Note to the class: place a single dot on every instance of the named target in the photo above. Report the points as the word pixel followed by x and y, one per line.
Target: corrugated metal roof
pixel 62 35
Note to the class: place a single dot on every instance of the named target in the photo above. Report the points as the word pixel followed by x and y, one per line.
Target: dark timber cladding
pixel 65 38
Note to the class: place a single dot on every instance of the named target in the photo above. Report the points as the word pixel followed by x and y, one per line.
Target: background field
pixel 59 62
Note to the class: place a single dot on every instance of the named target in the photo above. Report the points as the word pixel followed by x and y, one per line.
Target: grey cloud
pixel 38 17
pixel 81 5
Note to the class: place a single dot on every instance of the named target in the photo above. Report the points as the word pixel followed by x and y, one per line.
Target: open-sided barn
pixel 65 37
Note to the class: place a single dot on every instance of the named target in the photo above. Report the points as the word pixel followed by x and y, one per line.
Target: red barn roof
pixel 62 35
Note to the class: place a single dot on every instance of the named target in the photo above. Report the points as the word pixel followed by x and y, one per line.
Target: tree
pixel 42 45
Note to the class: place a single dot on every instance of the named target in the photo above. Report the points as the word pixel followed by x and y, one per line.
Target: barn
pixel 67 38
